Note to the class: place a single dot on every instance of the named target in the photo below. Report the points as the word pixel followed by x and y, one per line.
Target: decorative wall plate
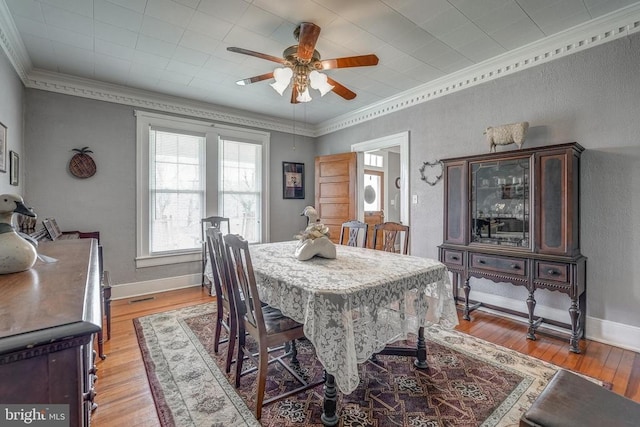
pixel 81 164
pixel 431 172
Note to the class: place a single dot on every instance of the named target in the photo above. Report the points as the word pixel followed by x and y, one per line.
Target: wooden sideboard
pixel 48 318
pixel 514 217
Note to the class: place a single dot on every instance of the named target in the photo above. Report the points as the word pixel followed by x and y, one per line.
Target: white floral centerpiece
pixel 314 241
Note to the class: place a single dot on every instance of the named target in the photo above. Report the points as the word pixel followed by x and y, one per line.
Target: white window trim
pixel 143 121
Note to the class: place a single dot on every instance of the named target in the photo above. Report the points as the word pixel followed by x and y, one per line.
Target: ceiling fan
pixel 302 65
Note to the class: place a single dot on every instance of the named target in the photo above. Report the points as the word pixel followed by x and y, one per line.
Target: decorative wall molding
pixel 87 88
pixel 12 44
pixel 593 33
pixel 601 30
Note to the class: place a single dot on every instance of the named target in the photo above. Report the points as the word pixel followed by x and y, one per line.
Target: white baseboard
pixel 135 289
pixel 601 330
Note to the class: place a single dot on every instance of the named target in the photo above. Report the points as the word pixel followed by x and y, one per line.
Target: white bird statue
pixel 311 214
pixel 16 254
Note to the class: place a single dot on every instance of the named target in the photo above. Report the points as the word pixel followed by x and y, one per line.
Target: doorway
pixel 394 148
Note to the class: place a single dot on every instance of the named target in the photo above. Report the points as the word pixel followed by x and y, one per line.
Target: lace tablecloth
pixel 354 305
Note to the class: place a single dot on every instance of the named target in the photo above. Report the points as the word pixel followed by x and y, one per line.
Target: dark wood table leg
pixel 421 351
pixel 329 417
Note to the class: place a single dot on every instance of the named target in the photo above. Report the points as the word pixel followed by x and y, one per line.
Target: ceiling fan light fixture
pixel 304 96
pixel 318 81
pixel 283 78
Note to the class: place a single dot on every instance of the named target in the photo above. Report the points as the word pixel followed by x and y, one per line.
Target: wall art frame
pixel 14 168
pixel 292 180
pixel 3 148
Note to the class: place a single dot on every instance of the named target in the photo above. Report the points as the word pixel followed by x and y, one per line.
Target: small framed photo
pixel 3 148
pixel 292 180
pixel 14 168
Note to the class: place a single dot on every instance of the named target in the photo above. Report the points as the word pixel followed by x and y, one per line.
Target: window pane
pixel 372 192
pixel 177 191
pixel 175 223
pixel 241 188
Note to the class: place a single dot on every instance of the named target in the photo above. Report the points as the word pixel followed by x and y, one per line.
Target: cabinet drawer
pixel 502 264
pixel 552 271
pixel 452 257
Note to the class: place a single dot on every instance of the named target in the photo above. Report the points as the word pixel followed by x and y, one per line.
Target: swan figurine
pixel 311 214
pixel 16 253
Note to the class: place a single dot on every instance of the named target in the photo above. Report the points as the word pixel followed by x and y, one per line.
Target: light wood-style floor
pixel 124 397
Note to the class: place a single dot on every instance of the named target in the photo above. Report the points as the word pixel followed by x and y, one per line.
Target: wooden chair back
pixel 242 282
pixel 390 233
pixel 353 229
pixel 206 223
pixel 215 245
pixel 226 316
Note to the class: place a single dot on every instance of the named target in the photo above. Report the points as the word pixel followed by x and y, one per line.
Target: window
pixel 190 169
pixel 374 160
pixel 240 184
pixel 176 190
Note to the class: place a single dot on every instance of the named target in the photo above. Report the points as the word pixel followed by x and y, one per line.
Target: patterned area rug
pixel 469 382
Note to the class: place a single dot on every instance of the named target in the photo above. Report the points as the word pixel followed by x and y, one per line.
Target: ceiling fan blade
pixel 307 38
pixel 349 61
pixel 341 90
pixel 255 79
pixel 294 94
pixel 256 54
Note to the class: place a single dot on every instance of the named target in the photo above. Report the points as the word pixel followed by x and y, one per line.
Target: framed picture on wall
pixel 14 168
pixel 3 148
pixel 292 180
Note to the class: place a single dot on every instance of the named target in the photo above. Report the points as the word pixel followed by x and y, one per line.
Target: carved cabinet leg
pixel 467 289
pixel 531 305
pixel 575 315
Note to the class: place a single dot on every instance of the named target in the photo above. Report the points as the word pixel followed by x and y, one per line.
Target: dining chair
pixel 205 223
pixel 389 232
pixel 265 324
pixel 353 233
pixel 225 305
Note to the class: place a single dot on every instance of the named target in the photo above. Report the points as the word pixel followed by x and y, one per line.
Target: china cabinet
pixel 514 217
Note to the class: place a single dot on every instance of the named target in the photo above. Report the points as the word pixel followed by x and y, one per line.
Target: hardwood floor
pixel 124 397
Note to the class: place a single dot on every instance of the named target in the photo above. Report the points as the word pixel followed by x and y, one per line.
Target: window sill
pixel 156 260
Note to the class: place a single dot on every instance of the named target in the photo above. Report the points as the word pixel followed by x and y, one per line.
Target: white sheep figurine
pixel 506 134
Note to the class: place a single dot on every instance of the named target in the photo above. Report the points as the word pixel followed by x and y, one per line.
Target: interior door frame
pixel 399 139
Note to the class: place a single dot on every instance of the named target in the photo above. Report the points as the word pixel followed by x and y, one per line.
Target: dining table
pixel 355 305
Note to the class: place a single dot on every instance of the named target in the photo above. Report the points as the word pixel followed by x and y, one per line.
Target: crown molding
pixel 601 30
pixel 93 89
pixel 12 44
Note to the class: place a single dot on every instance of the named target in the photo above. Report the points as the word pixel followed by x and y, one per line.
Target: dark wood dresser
pixel 48 317
pixel 514 217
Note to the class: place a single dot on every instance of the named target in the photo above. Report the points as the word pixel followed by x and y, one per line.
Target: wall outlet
pixel 414 199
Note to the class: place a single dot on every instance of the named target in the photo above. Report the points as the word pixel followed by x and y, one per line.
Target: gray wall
pixel 592 97
pixel 55 124
pixel 11 116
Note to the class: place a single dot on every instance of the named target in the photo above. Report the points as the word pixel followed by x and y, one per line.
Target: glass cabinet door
pixel 500 202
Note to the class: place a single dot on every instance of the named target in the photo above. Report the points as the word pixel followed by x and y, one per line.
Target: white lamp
pixel 319 81
pixel 283 78
pixel 304 96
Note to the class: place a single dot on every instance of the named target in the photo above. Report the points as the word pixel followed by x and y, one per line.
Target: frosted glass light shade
pixel 319 81
pixel 283 78
pixel 304 96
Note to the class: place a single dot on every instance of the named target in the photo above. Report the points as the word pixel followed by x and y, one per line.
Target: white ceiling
pixel 178 47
